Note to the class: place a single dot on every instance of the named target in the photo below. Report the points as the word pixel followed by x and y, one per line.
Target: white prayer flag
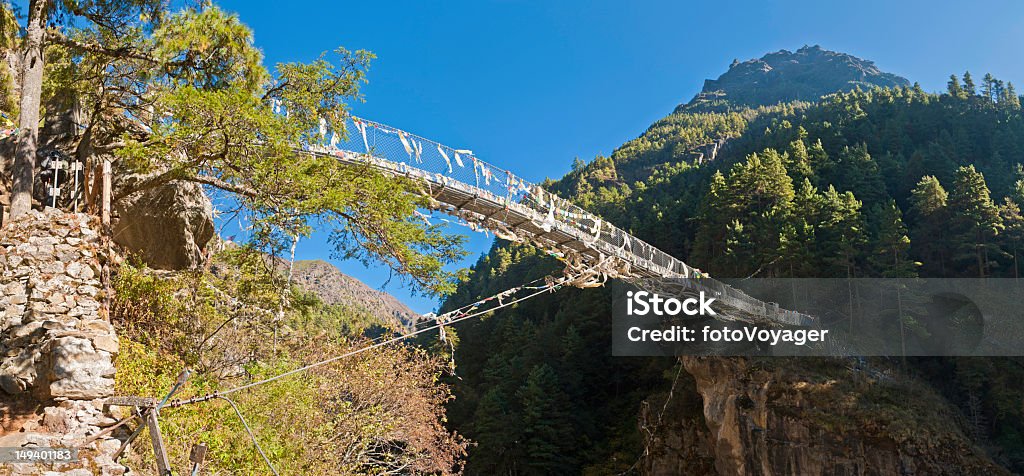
pixel 446 160
pixel 405 143
pixel 362 130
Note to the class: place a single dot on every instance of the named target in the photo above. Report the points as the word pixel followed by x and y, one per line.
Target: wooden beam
pixel 163 466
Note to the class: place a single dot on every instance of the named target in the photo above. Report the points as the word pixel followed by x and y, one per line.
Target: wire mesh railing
pixel 404 152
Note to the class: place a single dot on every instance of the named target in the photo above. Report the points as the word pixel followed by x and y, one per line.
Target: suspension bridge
pixel 491 198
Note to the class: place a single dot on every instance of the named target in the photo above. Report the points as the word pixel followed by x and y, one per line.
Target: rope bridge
pixel 491 198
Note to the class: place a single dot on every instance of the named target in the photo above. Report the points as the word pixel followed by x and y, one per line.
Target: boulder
pixel 168 226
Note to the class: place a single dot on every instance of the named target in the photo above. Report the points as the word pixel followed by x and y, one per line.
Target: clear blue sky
pixel 531 85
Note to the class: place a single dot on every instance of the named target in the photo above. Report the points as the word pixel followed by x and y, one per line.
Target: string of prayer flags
pixel 334 139
pixel 458 160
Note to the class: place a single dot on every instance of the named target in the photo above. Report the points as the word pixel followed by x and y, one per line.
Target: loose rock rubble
pixel 55 344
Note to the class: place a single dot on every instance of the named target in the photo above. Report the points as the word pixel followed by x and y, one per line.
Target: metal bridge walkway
pixel 460 184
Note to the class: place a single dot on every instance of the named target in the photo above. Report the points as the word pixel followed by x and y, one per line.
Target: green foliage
pixel 185 96
pixel 379 410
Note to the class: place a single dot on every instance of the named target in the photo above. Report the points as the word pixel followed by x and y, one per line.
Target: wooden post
pixel 107 234
pixel 105 200
pixel 197 456
pixel 163 466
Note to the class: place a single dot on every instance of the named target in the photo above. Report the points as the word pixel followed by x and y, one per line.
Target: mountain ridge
pixel 334 287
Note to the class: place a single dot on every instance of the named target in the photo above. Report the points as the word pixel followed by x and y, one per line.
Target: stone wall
pixel 57 348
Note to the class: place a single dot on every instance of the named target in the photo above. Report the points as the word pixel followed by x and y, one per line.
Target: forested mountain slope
pixel 880 182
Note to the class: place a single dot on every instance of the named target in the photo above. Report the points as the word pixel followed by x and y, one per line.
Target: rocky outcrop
pixel 57 347
pixel 810 418
pixel 784 76
pixel 798 417
pixel 168 226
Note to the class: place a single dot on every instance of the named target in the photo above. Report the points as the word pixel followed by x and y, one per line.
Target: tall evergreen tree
pixel 798 241
pixel 891 257
pixel 840 233
pixel 709 243
pixel 798 161
pixel 954 89
pixel 1010 97
pixel 547 436
pixel 969 87
pixel 1013 234
pixel 988 87
pixel 930 221
pixel 761 195
pixel 974 221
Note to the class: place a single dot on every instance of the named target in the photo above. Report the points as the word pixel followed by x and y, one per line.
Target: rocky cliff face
pixel 808 417
pixel 57 347
pixel 783 76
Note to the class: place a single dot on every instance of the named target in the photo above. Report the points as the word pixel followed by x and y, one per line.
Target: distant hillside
pixel 784 76
pixel 335 287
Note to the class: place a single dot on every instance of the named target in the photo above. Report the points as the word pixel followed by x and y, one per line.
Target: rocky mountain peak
pixel 782 76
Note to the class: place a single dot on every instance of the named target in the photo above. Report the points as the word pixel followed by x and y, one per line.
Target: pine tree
pixel 709 243
pixel 891 244
pixel 974 221
pixel 496 428
pixel 761 193
pixel 799 162
pixel 969 87
pixel 840 233
pixel 953 87
pixel 798 258
pixel 1013 233
pixel 1010 97
pixel 988 87
pixel 108 30
pixel 999 90
pixel 854 169
pixel 547 435
pixel 930 216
